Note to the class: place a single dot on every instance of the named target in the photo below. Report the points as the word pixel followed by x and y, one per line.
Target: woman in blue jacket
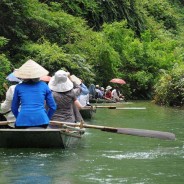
pixel 32 95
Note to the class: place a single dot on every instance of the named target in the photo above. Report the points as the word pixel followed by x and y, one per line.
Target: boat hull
pixel 88 112
pixel 38 138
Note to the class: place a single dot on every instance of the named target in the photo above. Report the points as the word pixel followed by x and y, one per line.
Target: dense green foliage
pixel 170 88
pixel 5 66
pixel 96 40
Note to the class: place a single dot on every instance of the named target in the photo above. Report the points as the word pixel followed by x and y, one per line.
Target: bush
pixel 170 88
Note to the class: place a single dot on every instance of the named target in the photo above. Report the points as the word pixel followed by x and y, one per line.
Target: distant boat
pixel 87 112
pixel 40 138
pixel 99 100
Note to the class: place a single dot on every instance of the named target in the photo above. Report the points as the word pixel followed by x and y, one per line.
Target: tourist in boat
pixel 92 91
pixel 6 113
pixel 81 90
pixel 32 94
pixel 116 94
pixel 77 90
pixel 98 92
pixel 108 93
pixel 64 95
pixel 102 91
pixel 6 105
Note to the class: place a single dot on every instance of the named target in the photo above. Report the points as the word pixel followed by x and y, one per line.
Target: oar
pixel 91 108
pixel 126 131
pixel 6 122
pixel 120 108
pixel 109 107
pixel 128 108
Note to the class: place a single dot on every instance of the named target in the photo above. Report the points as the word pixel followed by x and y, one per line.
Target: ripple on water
pixel 152 154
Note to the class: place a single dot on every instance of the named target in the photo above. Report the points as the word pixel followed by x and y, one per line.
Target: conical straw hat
pixel 30 70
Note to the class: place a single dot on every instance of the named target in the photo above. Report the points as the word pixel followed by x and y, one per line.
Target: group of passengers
pixel 111 94
pixel 34 103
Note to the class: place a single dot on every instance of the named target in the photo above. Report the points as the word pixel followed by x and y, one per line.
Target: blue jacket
pixel 32 98
pixel 84 89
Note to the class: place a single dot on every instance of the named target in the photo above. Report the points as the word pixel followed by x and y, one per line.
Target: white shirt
pixel 6 105
pixel 114 94
pixel 83 99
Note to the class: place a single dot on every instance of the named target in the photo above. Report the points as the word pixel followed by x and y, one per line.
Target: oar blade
pixel 147 133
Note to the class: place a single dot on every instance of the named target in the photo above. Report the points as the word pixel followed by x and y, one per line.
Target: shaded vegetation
pixel 169 90
pixel 96 40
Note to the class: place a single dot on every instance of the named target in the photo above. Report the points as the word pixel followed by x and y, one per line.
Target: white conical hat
pixel 30 70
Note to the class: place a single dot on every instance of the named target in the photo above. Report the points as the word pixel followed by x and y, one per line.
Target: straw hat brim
pixel 30 70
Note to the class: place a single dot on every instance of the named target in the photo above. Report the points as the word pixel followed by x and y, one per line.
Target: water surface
pixel 107 158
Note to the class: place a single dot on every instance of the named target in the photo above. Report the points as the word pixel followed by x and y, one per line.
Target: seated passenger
pixel 92 91
pixel 64 95
pixel 83 95
pixel 108 93
pixel 98 92
pixel 32 94
pixel 6 105
pixel 115 94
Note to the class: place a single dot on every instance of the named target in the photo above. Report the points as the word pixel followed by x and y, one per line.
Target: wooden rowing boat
pixel 98 100
pixel 40 138
pixel 87 112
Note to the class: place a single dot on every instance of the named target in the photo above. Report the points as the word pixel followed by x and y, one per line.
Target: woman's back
pixel 64 101
pixel 31 96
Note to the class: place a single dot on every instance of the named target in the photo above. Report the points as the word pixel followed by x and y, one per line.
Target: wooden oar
pixel 120 108
pixel 109 107
pixel 126 131
pixel 129 108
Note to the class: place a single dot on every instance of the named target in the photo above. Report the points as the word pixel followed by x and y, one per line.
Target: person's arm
pixel 77 89
pixel 15 103
pixel 78 104
pixel 50 102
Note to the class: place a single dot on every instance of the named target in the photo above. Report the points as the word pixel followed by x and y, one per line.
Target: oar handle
pixel 6 122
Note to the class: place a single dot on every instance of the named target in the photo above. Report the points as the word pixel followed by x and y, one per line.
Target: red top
pixel 108 94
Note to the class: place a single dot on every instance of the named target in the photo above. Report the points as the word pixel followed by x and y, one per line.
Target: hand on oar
pixel 126 131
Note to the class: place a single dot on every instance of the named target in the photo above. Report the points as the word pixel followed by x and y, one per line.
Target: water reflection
pixel 37 166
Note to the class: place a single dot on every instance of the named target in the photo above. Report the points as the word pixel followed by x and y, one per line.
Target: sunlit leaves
pixel 169 90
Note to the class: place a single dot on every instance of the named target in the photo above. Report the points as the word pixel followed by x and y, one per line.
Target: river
pixel 107 158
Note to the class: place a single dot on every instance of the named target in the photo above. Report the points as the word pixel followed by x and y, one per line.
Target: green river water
pixel 107 158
